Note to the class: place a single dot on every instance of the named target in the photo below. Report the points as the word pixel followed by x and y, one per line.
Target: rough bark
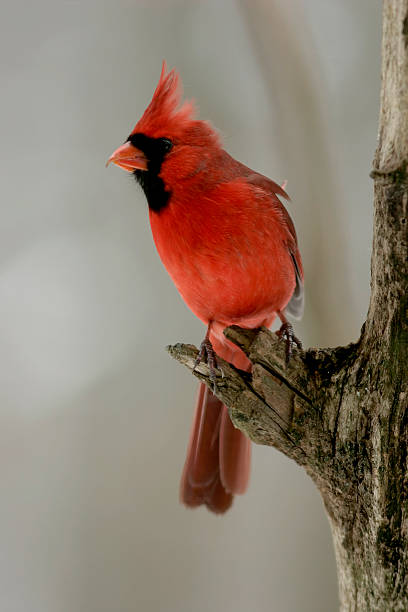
pixel 342 413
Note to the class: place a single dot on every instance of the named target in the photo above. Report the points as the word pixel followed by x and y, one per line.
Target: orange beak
pixel 129 158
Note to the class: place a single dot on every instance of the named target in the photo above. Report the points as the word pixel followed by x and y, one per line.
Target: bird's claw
pixel 207 354
pixel 287 334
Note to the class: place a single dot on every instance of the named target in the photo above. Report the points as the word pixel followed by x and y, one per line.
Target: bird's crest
pixel 165 111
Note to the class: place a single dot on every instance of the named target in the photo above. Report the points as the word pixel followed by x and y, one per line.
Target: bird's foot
pixel 207 354
pixel 287 334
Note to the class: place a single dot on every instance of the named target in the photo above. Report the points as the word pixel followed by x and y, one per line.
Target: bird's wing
pixel 295 305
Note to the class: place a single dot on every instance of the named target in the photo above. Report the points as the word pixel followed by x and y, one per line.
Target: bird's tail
pixel 219 455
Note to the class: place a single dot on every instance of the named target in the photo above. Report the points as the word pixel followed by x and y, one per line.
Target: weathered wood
pixel 342 413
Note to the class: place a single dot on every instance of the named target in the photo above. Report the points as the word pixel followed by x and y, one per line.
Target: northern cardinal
pixel 230 247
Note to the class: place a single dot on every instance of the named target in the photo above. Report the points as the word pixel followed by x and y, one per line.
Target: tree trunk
pixel 342 413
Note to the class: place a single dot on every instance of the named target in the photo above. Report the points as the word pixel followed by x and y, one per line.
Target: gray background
pixel 94 414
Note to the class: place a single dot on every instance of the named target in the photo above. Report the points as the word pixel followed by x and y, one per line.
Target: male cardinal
pixel 230 247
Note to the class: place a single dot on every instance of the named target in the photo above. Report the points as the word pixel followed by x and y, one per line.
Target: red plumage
pixel 231 249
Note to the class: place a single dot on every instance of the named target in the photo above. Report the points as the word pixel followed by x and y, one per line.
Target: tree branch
pixel 264 404
pixel 276 404
pixel 392 150
pixel 389 263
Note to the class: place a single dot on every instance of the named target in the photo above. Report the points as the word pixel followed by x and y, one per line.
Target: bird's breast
pixel 228 262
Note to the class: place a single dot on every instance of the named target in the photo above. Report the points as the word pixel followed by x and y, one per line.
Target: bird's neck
pixel 185 177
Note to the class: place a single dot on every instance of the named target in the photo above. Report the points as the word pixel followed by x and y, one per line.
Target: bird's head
pixel 167 135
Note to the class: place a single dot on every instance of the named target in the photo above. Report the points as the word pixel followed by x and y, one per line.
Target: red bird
pixel 230 247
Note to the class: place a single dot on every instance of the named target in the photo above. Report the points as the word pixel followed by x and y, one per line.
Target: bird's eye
pixel 166 144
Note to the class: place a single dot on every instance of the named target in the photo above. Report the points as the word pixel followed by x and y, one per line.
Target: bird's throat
pixel 154 188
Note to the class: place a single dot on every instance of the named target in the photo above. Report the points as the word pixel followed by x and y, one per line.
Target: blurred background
pixel 94 415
